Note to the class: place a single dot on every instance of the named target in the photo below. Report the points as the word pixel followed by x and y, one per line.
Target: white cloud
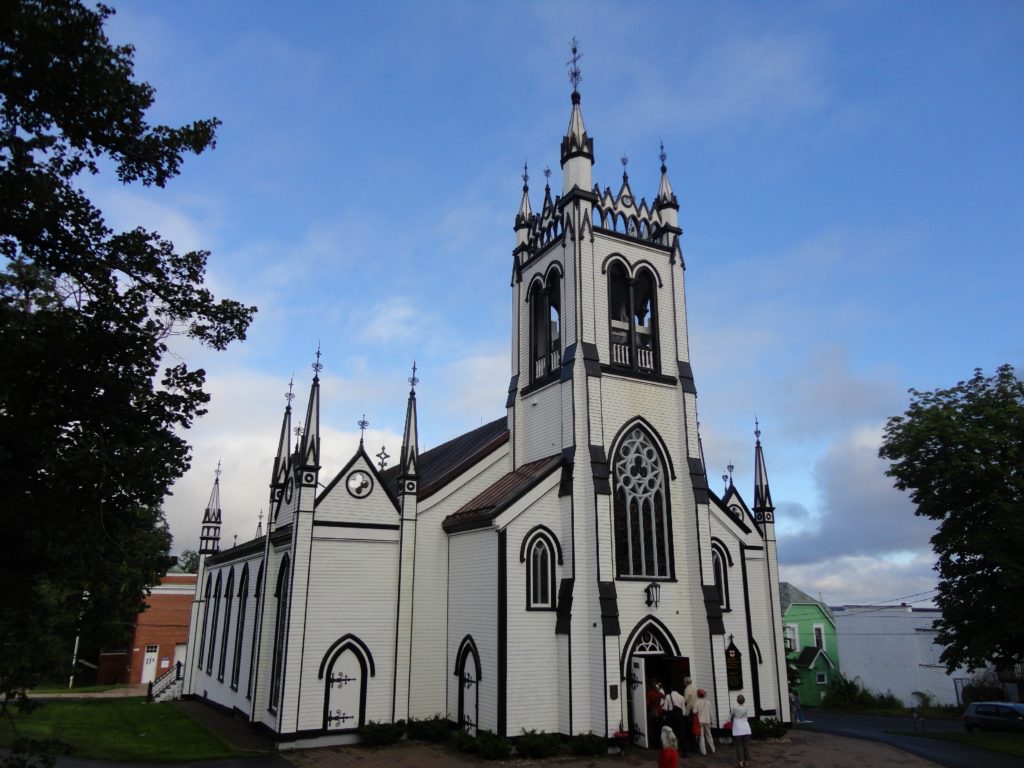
pixel 864 579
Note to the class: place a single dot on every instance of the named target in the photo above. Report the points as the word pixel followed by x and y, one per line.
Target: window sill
pixel 664 579
pixel 632 373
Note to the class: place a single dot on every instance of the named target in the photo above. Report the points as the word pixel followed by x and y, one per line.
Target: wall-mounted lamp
pixel 653 593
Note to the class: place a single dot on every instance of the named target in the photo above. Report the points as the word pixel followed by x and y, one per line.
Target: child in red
pixel 669 757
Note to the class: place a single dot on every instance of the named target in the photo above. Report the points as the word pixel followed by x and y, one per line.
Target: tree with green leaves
pixel 960 454
pixel 91 414
pixel 189 561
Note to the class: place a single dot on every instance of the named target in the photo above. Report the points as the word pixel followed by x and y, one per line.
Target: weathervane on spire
pixel 547 175
pixel 729 468
pixel 363 424
pixel 383 456
pixel 525 177
pixel 317 366
pixel 413 381
pixel 625 161
pixel 289 395
pixel 216 472
pixel 574 64
pixel 757 428
pixel 662 156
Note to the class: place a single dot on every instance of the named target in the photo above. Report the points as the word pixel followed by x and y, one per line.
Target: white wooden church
pixel 536 572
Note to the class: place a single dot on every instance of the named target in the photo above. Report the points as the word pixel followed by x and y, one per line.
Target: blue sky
pixel 851 182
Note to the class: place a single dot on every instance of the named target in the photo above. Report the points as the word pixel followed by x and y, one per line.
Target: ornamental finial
pixel 363 424
pixel 289 395
pixel 525 177
pixel 625 161
pixel 662 156
pixel 383 456
pixel 317 366
pixel 413 381
pixel 547 175
pixel 216 472
pixel 298 437
pixel 757 429
pixel 574 64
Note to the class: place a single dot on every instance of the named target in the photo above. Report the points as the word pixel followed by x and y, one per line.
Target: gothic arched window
pixel 631 319
pixel 545 327
pixel 280 635
pixel 228 597
pixel 206 616
pixel 243 598
pixel 257 593
pixel 642 521
pixel 213 626
pixel 719 568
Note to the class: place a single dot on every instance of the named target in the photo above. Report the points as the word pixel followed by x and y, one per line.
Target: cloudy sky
pixel 851 181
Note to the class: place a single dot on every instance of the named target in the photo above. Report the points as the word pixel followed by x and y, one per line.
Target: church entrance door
pixel 468 672
pixel 638 701
pixel 346 687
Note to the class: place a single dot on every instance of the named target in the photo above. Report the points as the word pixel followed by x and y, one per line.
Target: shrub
pixel 769 728
pixel 376 734
pixel 850 694
pixel 491 746
pixel 588 744
pixel 464 742
pixel 434 728
pixel 533 744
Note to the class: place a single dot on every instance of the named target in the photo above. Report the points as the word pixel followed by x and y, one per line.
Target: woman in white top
pixel 741 732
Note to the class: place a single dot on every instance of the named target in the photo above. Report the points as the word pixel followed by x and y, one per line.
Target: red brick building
pixel 161 631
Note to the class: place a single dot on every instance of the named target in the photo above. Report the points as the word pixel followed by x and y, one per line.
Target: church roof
pixel 491 502
pixel 440 464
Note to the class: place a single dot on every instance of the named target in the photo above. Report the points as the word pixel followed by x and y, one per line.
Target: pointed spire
pixel 762 493
pixel 209 539
pixel 280 473
pixel 525 211
pixel 666 198
pixel 310 450
pixel 409 459
pixel 577 154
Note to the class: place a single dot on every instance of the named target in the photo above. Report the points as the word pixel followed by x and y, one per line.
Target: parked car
pixel 994 716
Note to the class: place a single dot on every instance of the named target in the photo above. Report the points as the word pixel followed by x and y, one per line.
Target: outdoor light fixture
pixel 653 592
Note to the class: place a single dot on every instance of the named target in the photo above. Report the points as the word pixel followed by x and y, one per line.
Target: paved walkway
pixel 120 692
pixel 800 749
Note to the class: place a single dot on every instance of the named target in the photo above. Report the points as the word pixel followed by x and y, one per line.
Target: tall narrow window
pixel 213 626
pixel 631 319
pixel 206 616
pixel 721 578
pixel 819 636
pixel 254 648
pixel 229 595
pixel 545 327
pixel 243 598
pixel 642 522
pixel 540 574
pixel 280 635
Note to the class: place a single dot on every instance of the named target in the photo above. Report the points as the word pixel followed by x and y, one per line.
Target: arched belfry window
pixel 642 520
pixel 545 327
pixel 631 318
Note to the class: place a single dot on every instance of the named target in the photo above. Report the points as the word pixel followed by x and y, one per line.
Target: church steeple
pixel 763 507
pixel 577 148
pixel 525 213
pixel 666 203
pixel 209 539
pixel 310 451
pixel 409 459
pixel 280 473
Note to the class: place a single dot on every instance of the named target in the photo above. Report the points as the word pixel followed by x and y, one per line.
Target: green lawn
pixel 1010 743
pixel 58 688
pixel 126 729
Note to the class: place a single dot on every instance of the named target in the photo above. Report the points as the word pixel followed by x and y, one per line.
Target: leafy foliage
pixel 850 694
pixel 538 745
pixel 588 744
pixel 960 454
pixel 189 561
pixel 767 728
pixel 491 746
pixel 374 734
pixel 90 426
pixel 436 729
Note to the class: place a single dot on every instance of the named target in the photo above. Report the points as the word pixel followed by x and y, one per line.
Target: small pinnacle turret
pixel 577 155
pixel 209 539
pixel 763 507
pixel 280 474
pixel 409 459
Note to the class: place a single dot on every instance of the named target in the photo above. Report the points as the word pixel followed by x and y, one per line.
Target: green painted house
pixel 812 652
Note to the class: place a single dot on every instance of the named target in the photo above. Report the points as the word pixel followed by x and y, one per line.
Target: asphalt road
pixel 879 728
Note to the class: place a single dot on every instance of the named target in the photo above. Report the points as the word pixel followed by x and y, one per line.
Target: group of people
pixel 685 718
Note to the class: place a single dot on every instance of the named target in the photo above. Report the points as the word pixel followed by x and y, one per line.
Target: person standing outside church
pixel 741 731
pixel 702 711
pixel 674 707
pixel 689 701
pixel 655 712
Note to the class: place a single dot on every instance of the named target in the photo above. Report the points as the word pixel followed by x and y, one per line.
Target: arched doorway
pixel 467 669
pixel 651 653
pixel 344 670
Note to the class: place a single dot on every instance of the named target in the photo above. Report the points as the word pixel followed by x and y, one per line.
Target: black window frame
pixel 622 295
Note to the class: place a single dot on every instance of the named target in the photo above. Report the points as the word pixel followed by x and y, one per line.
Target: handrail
pixel 164 682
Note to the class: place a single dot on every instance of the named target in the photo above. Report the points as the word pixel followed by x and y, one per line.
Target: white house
pixel 533 573
pixel 891 649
